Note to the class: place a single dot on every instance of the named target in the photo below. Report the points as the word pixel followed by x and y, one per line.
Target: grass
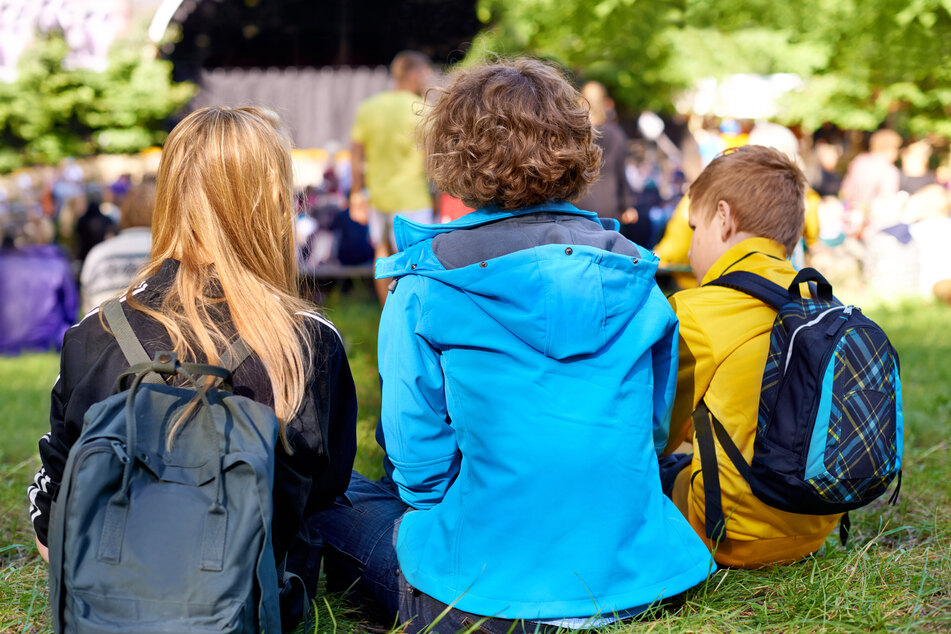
pixel 895 574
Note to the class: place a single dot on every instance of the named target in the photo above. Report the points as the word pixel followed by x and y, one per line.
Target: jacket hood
pixel 563 300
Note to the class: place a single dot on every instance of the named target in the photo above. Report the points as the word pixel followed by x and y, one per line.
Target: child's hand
pixel 44 551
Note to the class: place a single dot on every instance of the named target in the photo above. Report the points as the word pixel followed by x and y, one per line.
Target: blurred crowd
pixel 71 240
pixel 877 219
pixel 877 210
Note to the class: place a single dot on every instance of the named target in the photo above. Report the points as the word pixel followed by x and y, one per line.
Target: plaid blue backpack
pixel 829 431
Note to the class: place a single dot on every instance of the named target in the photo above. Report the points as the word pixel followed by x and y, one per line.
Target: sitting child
pixel 527 366
pixel 746 212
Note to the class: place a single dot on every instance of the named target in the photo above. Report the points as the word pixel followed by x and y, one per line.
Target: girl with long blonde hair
pixel 223 265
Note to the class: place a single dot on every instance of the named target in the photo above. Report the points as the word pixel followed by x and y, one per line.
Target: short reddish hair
pixel 764 188
pixel 511 134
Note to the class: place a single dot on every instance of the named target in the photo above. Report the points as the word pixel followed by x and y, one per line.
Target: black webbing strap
pixel 754 285
pixel 706 426
pixel 730 448
pixel 130 345
pixel 845 528
pixel 713 505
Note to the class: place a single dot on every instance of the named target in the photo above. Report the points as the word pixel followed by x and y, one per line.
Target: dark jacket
pixel 322 435
pixel 611 194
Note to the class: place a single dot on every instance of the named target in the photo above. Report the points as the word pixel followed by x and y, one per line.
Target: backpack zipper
pixel 811 322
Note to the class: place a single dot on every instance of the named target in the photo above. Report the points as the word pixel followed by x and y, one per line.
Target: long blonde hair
pixel 224 209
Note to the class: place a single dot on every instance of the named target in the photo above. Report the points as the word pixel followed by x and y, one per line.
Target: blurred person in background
pixel 92 228
pixel 830 180
pixel 915 174
pixel 112 264
pixel 67 218
pixel 610 196
pixel 928 213
pixel 389 178
pixel 872 176
pixel 38 295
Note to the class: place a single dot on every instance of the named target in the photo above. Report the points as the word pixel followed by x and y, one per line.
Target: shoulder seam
pixel 323 320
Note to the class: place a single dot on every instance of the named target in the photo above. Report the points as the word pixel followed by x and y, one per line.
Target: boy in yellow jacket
pixel 746 212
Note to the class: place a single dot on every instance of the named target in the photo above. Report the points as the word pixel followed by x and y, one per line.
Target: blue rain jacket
pixel 525 399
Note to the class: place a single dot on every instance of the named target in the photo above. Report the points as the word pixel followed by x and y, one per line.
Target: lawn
pixel 895 574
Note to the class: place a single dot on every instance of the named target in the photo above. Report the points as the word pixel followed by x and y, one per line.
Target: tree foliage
pixel 622 43
pixel 864 62
pixel 52 111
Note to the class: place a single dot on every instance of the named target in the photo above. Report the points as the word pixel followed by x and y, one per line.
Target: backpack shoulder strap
pixel 754 285
pixel 235 355
pixel 707 427
pixel 130 345
pixel 135 353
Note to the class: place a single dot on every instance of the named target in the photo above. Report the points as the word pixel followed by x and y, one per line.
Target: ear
pixel 726 220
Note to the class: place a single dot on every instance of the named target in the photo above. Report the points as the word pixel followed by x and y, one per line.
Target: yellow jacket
pixel 724 342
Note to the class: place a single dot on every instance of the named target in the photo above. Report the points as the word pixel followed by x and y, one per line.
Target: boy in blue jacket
pixel 528 366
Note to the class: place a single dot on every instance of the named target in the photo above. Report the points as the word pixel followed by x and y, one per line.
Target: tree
pixel 622 43
pixel 52 111
pixel 864 62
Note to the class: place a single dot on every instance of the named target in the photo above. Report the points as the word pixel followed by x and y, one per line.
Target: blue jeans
pixel 670 468
pixel 359 534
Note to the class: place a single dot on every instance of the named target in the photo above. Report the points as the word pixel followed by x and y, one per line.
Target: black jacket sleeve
pixel 54 449
pixel 89 364
pixel 323 443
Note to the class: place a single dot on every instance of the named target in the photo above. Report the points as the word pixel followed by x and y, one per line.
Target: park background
pixel 106 100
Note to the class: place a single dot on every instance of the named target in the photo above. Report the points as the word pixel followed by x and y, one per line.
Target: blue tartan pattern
pixel 829 427
pixel 861 445
pixel 791 316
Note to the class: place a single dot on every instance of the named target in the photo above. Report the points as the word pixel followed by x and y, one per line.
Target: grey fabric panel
pixel 467 246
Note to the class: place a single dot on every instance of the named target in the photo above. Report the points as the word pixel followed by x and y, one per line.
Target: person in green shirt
pixel 388 173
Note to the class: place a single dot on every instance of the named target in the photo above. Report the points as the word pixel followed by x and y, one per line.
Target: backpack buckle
pixel 165 362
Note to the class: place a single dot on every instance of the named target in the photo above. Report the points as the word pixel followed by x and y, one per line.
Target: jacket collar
pixel 731 259
pixel 409 233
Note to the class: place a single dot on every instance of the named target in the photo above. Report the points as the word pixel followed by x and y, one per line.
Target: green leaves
pixel 864 62
pixel 53 111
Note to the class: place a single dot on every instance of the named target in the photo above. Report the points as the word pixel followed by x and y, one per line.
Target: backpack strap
pixel 713 505
pixel 773 294
pixel 235 354
pixel 823 290
pixel 754 285
pixel 131 347
pixel 707 426
pixel 135 353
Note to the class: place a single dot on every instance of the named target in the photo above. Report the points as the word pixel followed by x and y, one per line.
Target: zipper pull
pixel 120 451
pixel 837 323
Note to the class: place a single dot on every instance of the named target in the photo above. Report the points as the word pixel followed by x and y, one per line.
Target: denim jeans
pixel 670 468
pixel 359 534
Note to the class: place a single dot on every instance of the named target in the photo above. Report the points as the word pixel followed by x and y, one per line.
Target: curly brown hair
pixel 510 134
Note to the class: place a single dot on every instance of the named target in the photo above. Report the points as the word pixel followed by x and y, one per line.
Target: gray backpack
pixel 149 539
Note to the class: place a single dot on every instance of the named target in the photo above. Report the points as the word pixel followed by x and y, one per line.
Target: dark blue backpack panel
pixel 861 396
